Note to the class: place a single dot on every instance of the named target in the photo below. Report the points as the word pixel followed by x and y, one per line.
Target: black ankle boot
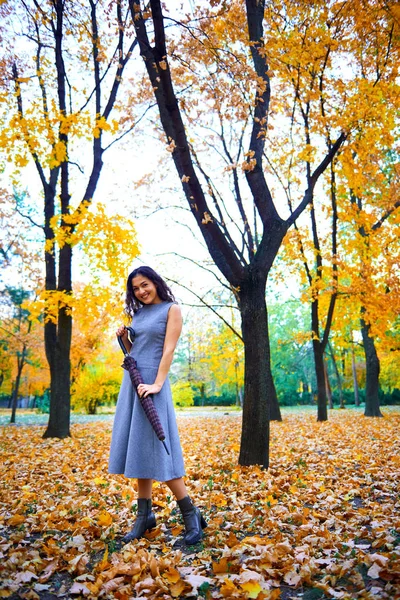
pixel 145 520
pixel 193 520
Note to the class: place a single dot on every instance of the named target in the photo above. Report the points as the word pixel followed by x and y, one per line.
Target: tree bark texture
pixel 20 366
pixel 338 378
pixel 328 386
pixel 258 382
pixel 318 350
pixel 372 408
pixel 322 411
pixel 354 372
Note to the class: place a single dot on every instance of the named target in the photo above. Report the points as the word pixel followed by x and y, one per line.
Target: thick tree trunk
pixel 258 383
pixel 60 372
pixel 322 414
pixel 372 364
pixel 59 356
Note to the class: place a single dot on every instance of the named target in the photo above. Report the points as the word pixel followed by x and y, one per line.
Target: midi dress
pixel 135 449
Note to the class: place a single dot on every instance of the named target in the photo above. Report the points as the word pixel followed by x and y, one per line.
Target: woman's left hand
pixel 145 390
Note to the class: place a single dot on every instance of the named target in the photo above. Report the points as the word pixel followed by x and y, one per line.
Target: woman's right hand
pixel 122 331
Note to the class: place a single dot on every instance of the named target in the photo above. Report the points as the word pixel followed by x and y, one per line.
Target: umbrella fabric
pixel 147 403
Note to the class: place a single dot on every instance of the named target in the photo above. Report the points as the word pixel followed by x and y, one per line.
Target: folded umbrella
pixel 148 404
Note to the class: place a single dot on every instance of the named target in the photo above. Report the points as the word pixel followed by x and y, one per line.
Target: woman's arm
pixel 174 328
pixel 123 333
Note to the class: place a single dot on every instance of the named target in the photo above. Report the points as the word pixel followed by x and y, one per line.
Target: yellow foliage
pixel 96 383
pixel 182 394
pixel 109 245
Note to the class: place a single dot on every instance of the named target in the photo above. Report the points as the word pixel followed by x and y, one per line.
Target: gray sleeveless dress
pixel 135 449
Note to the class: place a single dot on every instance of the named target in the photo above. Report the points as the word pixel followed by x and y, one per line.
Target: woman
pixel 135 449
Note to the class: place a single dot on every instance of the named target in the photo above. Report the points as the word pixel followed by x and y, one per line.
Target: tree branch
pixel 208 306
pixel 308 195
pixel 159 74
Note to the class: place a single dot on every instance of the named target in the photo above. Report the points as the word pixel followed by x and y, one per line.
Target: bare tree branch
pixel 208 306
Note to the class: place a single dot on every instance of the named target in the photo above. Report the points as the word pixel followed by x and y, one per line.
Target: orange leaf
pixel 221 566
pixel 177 588
pixel 176 530
pixel 172 575
pixel 231 540
pixel 229 589
pixel 16 520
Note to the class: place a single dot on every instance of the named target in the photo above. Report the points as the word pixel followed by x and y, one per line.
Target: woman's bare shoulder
pixel 175 311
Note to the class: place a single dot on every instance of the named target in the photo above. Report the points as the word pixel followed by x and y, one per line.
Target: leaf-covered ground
pixel 323 522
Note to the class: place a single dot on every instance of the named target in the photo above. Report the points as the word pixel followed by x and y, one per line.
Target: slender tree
pixel 56 111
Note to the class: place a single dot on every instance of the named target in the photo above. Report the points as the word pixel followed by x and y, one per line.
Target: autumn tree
pixel 59 89
pixel 237 92
pixel 371 171
pixel 97 383
pixel 373 59
pixel 19 338
pixel 19 261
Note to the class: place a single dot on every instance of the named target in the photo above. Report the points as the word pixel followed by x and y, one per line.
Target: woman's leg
pixel 145 518
pixel 193 519
pixel 145 487
pixel 177 487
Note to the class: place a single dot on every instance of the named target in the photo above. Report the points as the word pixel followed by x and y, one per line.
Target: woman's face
pixel 144 290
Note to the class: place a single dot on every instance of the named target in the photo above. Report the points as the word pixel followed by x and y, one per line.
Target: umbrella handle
pixel 131 335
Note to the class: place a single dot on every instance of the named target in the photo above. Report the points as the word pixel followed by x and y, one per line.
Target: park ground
pixel 322 522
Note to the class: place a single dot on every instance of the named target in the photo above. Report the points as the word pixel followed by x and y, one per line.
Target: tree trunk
pixel 59 357
pixel 20 366
pixel 318 350
pixel 322 411
pixel 241 397
pixel 355 382
pixel 372 364
pixel 14 400
pixel 202 394
pixel 328 386
pixel 60 372
pixel 338 378
pixel 258 383
pixel 11 396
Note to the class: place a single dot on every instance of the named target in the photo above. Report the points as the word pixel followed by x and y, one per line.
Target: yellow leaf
pixel 100 481
pixel 104 561
pixel 218 499
pixel 104 519
pixel 252 588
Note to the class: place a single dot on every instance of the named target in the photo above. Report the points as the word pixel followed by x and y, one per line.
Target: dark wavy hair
pixel 132 304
